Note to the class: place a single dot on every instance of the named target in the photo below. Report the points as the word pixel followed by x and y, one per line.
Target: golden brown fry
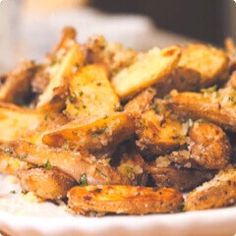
pixel 149 69
pixel 218 192
pixel 141 103
pixel 16 88
pixel 217 106
pixel 132 166
pixel 158 135
pixel 15 121
pixel 165 174
pixel 49 184
pixel 75 164
pixel 124 200
pixel 60 74
pixel 209 146
pixel 91 94
pixel 209 62
pixel 96 136
pixel 113 55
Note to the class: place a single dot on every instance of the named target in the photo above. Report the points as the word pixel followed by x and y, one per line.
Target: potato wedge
pixel 217 106
pixel 165 174
pixel 97 136
pixel 218 192
pixel 91 94
pixel 17 86
pixel 141 103
pixel 209 146
pixel 113 55
pixel 158 135
pixel 149 69
pixel 124 200
pixel 48 184
pixel 211 63
pixel 15 121
pixel 60 73
pixel 81 166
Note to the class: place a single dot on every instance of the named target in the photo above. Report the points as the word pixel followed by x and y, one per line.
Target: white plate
pixel 213 222
pixel 21 217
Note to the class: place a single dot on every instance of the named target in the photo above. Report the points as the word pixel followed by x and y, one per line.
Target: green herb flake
pixel 72 98
pixel 210 89
pixel 47 165
pixel 81 93
pixel 83 180
pixel 99 132
pixel 13 191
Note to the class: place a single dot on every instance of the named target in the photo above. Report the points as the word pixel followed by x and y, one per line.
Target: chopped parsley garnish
pixel 47 165
pixel 99 132
pixel 83 180
pixel 209 90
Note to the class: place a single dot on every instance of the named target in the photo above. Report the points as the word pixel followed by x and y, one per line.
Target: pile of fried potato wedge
pixel 110 130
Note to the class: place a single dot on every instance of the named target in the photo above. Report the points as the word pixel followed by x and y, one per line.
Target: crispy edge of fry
pixel 124 199
pixel 137 77
pixel 60 74
pixel 48 184
pixel 101 134
pixel 195 106
pixel 218 192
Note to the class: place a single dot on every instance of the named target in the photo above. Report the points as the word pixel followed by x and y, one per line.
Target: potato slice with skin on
pixel 211 63
pixel 141 103
pixel 165 174
pixel 158 135
pixel 113 55
pixel 217 107
pixel 218 192
pixel 122 199
pixel 96 136
pixel 149 69
pixel 17 85
pixel 48 184
pixel 16 121
pixel 79 165
pixel 91 94
pixel 61 73
pixel 209 145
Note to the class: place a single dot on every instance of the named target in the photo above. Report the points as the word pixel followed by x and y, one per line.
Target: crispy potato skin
pixel 166 174
pixel 218 192
pixel 149 69
pixel 16 88
pixel 74 164
pixel 196 106
pixel 60 74
pixel 124 200
pixel 113 55
pixel 47 184
pixel 209 62
pixel 140 103
pixel 97 136
pixel 209 146
pixel 158 136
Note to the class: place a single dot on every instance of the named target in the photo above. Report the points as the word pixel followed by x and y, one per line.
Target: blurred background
pixel 29 28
